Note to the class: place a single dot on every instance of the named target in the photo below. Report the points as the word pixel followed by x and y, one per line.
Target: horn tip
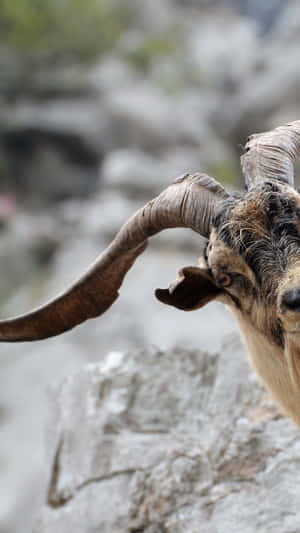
pixel 181 178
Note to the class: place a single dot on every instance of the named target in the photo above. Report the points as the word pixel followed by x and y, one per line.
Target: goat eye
pixel 225 280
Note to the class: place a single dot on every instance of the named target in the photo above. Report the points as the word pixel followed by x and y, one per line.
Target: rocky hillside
pixel 182 87
pixel 84 140
pixel 180 441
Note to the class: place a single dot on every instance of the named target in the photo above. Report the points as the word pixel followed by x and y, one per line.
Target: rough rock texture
pixel 269 93
pixel 169 83
pixel 137 319
pixel 181 91
pixel 181 441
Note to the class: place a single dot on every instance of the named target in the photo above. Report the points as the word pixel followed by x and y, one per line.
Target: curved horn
pixel 271 155
pixel 189 202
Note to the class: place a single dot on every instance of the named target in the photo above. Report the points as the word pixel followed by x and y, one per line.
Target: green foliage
pixel 227 172
pixel 60 28
pixel 150 48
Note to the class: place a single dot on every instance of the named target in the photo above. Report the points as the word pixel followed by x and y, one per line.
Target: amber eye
pixel 225 280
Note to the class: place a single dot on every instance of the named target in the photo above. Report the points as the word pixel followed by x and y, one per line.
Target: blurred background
pixel 102 104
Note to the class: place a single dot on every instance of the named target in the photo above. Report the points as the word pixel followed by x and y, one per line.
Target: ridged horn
pixel 188 202
pixel 272 155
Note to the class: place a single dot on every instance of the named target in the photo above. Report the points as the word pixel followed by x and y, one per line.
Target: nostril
pixel 291 299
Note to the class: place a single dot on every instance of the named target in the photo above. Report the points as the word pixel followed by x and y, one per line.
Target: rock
pixel 286 29
pixel 155 16
pixel 183 111
pixel 136 173
pixel 62 116
pixel 153 131
pixel 111 72
pixel 60 82
pixel 265 13
pixel 54 148
pixel 133 171
pixel 13 73
pixel 142 116
pixel 24 378
pixel 177 441
pixel 269 94
pixel 137 319
pixel 26 246
pixel 213 43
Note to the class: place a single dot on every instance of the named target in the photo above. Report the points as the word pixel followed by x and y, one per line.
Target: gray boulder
pixel 138 174
pixel 268 94
pixel 179 441
pixel 53 149
pixel 134 171
pixel 266 13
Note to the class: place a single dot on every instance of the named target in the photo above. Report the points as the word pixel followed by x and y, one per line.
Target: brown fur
pixel 263 264
pixel 255 240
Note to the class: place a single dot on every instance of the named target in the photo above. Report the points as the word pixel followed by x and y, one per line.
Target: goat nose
pixel 291 299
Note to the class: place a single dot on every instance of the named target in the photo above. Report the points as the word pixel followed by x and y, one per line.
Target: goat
pixel 251 262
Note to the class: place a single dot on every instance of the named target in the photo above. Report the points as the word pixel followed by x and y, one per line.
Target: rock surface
pixel 82 230
pixel 180 91
pixel 170 83
pixel 181 441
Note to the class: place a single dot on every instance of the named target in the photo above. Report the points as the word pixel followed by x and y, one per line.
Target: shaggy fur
pixel 256 240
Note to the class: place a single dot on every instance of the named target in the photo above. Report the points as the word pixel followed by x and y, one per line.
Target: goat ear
pixel 193 289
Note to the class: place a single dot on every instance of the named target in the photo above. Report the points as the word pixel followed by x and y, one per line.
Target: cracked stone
pixel 180 441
